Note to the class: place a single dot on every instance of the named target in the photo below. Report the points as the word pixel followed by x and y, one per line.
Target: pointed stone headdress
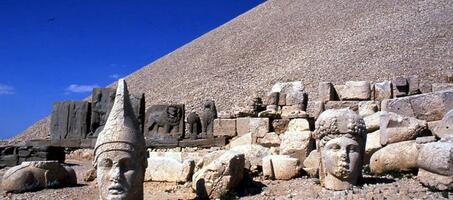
pixel 121 131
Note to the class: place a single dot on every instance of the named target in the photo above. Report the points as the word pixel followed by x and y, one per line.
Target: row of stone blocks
pixel 14 155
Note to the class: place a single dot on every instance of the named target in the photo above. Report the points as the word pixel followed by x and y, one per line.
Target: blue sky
pixel 53 50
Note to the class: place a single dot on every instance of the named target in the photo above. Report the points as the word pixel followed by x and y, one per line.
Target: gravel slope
pixel 312 41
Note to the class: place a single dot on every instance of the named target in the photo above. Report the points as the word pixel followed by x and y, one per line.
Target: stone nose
pixel 115 174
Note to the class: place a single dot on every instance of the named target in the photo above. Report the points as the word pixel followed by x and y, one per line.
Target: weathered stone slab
pixel 241 140
pixel 397 157
pixel 225 127
pixel 338 91
pixel 397 128
pixel 311 163
pixel 219 141
pixel 281 167
pixel 279 126
pixel 400 87
pixel 353 105
pixel 315 108
pixel 444 128
pixel 373 144
pixel 252 125
pixel 382 90
pixel 367 108
pixel 70 120
pixel 436 87
pixel 166 169
pixel 356 90
pixel 297 144
pixel 220 176
pixel 433 180
pixel 426 87
pixel 436 157
pixel 414 85
pixel 429 107
pixel 254 155
pixel 32 176
pixel 164 122
pixel 270 139
pixel 326 92
pixel 373 122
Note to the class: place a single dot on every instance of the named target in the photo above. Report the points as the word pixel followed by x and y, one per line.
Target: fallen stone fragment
pixel 397 157
pixel 253 125
pixel 241 140
pixel 436 87
pixel 297 141
pixel 37 175
pixel 396 128
pixel 436 157
pixel 166 169
pixel 279 126
pixel 444 128
pixel 281 167
pixel 326 92
pixel 254 155
pixel 311 164
pixel 367 108
pixel 353 105
pixel 373 122
pixel 225 127
pixel 356 90
pixel 220 176
pixel 383 90
pixel 268 140
pixel 433 180
pixel 373 144
pixel 90 175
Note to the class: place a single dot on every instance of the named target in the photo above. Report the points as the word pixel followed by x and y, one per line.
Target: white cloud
pixel 114 76
pixel 6 89
pixel 74 88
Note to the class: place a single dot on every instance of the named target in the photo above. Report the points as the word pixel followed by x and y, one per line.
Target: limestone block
pixel 367 108
pixel 444 128
pixel 400 106
pixel 356 90
pixel 315 108
pixel 252 125
pixel 373 122
pixel 225 127
pixel 353 105
pixel 280 167
pixel 298 125
pixel 297 144
pixel 254 155
pixel 383 90
pixel 426 87
pixel 291 112
pixel 70 120
pixel 436 157
pixel 241 140
pixel 270 139
pixel 400 87
pixel 414 85
pixel 373 144
pixel 397 157
pixel 338 91
pixel 433 180
pixel 424 140
pixel 282 99
pixel 37 175
pixel 311 163
pixel 220 176
pixel 397 128
pixel 279 126
pixel 173 155
pixel 436 87
pixel 326 92
pixel 166 169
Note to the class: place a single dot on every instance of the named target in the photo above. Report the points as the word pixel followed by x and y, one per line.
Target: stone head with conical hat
pixel 120 152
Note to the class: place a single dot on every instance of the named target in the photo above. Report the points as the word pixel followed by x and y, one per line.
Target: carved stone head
pixel 120 152
pixel 341 138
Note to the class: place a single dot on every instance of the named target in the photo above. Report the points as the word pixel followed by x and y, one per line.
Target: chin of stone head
pixel 119 176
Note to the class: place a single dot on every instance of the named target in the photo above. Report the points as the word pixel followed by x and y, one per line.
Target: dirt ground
pixel 252 189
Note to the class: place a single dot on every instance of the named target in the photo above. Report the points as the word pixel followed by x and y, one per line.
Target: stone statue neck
pixel 333 183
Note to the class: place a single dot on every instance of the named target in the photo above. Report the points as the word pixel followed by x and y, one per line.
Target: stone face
pixel 433 180
pixel 367 108
pixel 70 120
pixel 341 138
pixel 396 128
pixel 353 105
pixel 279 126
pixel 169 170
pixel 281 167
pixel 436 87
pixel 383 90
pixel 119 144
pixel 220 176
pixel 436 157
pixel 356 90
pixel 37 175
pixel 297 144
pixel 194 125
pixel 326 92
pixel 397 157
pixel 444 128
pixel 164 122
pixel 373 144
pixel 207 118
pixel 311 163
pixel 225 127
pixel 429 107
pixel 253 155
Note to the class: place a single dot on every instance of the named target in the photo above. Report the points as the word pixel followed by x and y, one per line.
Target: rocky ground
pixel 301 188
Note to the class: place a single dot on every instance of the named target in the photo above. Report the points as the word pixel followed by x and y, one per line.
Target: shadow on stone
pixel 374 180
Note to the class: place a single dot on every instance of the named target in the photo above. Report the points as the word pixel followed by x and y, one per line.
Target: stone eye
pixel 335 147
pixel 353 148
pixel 106 163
